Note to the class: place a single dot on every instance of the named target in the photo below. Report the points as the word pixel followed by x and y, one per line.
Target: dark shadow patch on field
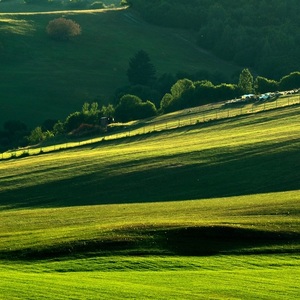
pixel 214 240
pixel 184 241
pixel 201 174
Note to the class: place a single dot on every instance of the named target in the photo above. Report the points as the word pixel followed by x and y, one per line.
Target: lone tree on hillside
pixel 246 82
pixel 63 29
pixel 141 70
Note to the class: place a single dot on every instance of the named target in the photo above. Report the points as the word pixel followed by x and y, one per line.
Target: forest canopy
pixel 262 35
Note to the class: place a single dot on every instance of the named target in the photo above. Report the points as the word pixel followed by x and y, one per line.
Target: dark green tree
pixel 182 96
pixel 204 92
pixel 73 121
pixel 141 70
pixel 166 102
pixel 289 82
pixel 264 85
pixel 246 82
pixel 127 109
pixel 132 107
pixel 147 109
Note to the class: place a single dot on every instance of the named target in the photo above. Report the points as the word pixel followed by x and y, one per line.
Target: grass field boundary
pixel 187 117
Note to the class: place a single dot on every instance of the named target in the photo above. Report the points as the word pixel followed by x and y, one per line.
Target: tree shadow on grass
pixel 229 172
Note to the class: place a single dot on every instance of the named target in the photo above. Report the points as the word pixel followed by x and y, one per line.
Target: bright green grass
pixel 40 230
pixel 55 246
pixel 229 276
pixel 233 277
pixel 43 79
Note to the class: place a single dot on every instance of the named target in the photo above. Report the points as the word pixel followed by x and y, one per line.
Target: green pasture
pixel 129 251
pixel 263 223
pixel 255 153
pixel 209 211
pixel 232 277
pixel 204 115
pixel 45 79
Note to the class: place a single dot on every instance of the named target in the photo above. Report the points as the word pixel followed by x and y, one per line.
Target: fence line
pixel 191 116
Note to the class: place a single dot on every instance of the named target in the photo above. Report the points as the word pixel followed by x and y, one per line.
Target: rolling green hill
pixel 206 211
pixel 42 78
pixel 240 156
pixel 209 210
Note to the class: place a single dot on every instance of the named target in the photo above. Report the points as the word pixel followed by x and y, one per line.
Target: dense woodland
pixel 261 35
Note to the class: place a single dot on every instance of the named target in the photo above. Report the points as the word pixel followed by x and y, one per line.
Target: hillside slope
pixel 54 245
pixel 240 156
pixel 43 79
pixel 263 36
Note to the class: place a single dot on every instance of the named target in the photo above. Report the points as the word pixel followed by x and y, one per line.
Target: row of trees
pixel 262 35
pixel 170 93
pixel 87 121
pixel 146 96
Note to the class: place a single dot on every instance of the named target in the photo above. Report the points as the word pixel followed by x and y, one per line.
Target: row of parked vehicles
pixel 247 98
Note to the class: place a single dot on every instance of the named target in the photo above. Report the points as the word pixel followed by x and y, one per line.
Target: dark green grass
pixel 42 78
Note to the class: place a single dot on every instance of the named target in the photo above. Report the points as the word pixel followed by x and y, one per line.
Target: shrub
pixel 289 82
pixel 132 107
pixel 36 136
pixel 63 29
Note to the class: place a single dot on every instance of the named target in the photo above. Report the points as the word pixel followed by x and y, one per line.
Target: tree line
pixel 261 35
pixel 146 95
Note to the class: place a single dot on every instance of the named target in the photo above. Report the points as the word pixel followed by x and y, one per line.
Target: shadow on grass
pixel 218 173
pixel 184 241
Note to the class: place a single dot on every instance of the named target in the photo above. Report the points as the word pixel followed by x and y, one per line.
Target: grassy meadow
pixel 45 79
pixel 202 203
pixel 209 211
pixel 240 156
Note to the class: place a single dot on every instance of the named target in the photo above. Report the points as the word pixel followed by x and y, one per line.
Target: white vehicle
pixel 264 97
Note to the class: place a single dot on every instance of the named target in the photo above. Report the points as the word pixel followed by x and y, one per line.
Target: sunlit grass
pixel 37 230
pixel 16 26
pixel 250 154
pixel 234 277
pixel 59 240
